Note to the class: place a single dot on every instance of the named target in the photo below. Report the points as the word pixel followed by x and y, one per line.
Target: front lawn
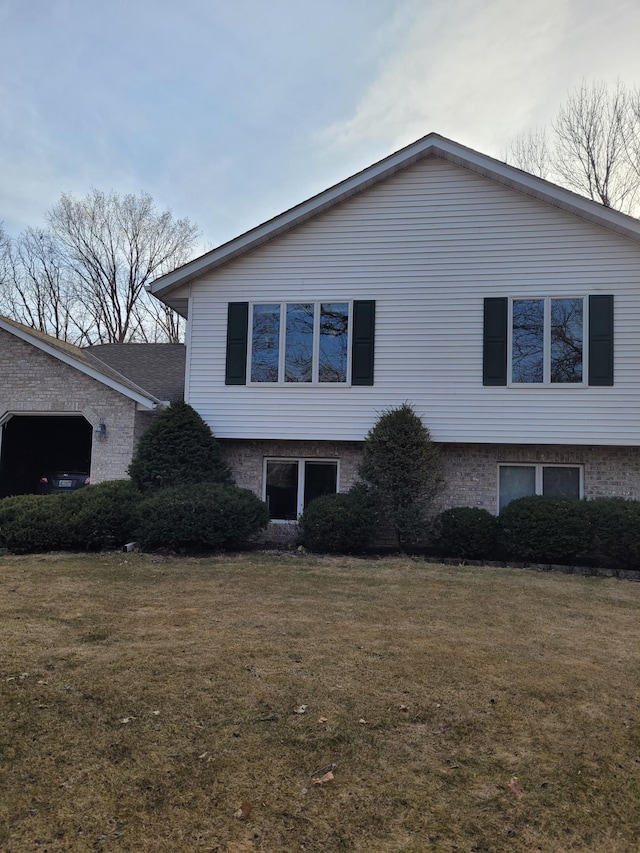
pixel 159 704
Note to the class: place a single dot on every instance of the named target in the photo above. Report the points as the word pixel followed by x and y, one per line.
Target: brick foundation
pixel 471 470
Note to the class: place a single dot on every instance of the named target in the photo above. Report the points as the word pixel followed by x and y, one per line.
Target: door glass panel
pixel 561 482
pixel 527 340
pixel 566 340
pixel 334 336
pixel 516 481
pixel 298 359
pixel 282 490
pixel 265 343
pixel 320 478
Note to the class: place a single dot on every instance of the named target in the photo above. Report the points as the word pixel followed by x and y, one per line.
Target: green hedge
pixel 339 523
pixel 101 516
pixel 32 523
pixel 466 532
pixel 545 530
pixel 615 532
pixel 203 516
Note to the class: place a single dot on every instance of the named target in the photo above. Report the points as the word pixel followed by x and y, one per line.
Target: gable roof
pixel 159 368
pixel 431 145
pixel 81 360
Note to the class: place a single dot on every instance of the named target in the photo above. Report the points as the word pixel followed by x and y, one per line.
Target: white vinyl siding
pixel 427 245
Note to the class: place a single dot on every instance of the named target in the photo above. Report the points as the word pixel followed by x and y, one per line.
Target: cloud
pixel 482 71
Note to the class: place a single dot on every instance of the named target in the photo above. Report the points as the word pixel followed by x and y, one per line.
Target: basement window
pixel 521 481
pixel 291 484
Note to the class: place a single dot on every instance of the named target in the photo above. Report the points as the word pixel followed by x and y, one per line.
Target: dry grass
pixel 144 699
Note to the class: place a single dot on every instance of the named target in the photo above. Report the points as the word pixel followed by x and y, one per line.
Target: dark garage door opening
pixel 32 446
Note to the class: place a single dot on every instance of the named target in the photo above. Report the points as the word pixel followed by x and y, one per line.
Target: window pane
pixel 527 341
pixel 566 340
pixel 265 343
pixel 561 482
pixel 320 478
pixel 298 358
pixel 282 490
pixel 516 481
pixel 334 328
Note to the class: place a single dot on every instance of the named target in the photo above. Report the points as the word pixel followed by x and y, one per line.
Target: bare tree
pixel 590 149
pixel 113 246
pixel 530 151
pixel 43 294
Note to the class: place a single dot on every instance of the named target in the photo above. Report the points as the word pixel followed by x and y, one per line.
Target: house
pixel 504 308
pixel 62 406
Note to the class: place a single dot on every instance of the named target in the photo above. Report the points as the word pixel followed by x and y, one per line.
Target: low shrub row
pixel 602 532
pixel 202 516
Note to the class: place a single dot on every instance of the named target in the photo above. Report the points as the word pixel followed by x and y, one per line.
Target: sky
pixel 228 112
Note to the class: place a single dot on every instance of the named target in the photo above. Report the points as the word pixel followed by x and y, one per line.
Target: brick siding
pixel 34 382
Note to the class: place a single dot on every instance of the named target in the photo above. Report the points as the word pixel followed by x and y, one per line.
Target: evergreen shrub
pixel 615 532
pixel 34 523
pixel 177 449
pixel 101 516
pixel 200 517
pixel 466 532
pixel 339 523
pixel 403 468
pixel 542 529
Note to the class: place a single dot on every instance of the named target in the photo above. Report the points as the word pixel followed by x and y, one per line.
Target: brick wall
pixel 33 382
pixel 471 470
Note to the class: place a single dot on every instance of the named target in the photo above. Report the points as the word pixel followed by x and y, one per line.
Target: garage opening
pixel 33 445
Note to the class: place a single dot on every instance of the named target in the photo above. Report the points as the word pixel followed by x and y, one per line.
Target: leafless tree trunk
pixel 591 151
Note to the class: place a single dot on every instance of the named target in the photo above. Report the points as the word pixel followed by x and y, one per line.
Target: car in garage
pixel 62 481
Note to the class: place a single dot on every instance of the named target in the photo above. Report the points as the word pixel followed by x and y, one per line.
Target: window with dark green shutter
pixel 237 328
pixel 543 340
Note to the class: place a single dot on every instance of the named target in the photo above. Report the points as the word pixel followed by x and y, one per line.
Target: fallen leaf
pixel 322 720
pixel 514 787
pixel 244 811
pixel 301 709
pixel 322 780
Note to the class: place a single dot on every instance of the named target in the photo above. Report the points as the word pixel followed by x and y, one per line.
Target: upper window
pixel 547 340
pixel 298 342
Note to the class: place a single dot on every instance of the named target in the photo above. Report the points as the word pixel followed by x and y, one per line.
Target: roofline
pixel 145 400
pixel 431 145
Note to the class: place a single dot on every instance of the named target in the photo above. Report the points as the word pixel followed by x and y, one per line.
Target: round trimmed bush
pixel 339 523
pixel 545 529
pixel 201 517
pixel 466 532
pixel 33 523
pixel 615 531
pixel 102 516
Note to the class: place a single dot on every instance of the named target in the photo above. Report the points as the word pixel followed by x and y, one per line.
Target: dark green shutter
pixel 237 325
pixel 601 340
pixel 494 351
pixel 363 340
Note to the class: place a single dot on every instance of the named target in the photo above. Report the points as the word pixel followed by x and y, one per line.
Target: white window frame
pixel 317 303
pixel 546 352
pixel 301 460
pixel 539 468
